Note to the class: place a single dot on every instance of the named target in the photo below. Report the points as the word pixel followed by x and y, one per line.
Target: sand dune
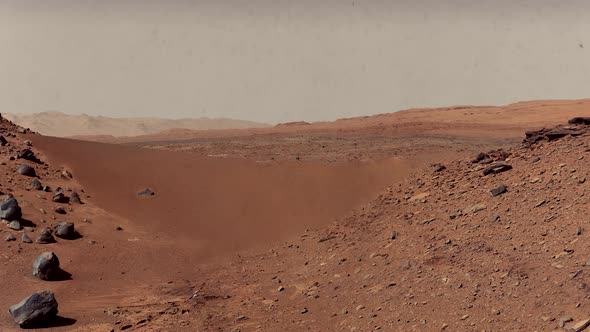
pixel 218 205
pixel 64 125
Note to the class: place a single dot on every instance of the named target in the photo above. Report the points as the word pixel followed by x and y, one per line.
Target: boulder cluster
pixel 39 309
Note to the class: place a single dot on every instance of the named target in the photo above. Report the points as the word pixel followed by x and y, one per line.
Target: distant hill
pixel 63 125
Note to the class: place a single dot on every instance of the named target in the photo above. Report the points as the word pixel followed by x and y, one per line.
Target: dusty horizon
pixel 285 61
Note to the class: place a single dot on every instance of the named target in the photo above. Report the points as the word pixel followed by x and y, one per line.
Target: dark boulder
pixel 46 266
pixel 10 210
pixel 27 154
pixel 75 198
pixel 26 170
pixel 37 310
pixel 496 168
pixel 45 237
pixel 498 190
pixel 580 120
pixel 60 210
pixel 66 230
pixel 36 184
pixel 3 140
pixel 59 196
pixel 146 192
pixel 480 156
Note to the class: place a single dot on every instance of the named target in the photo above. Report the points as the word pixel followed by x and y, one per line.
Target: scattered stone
pixel 26 239
pixel 9 237
pixel 36 184
pixel 498 190
pixel 37 310
pixel 46 266
pixel 146 192
pixel 476 208
pixel 46 188
pixel 28 143
pixel 539 203
pixel 455 214
pixel 66 174
pixel 45 237
pixel 495 218
pixel 10 210
pixel 304 311
pixel 439 167
pixel 535 159
pixel 480 156
pixel 393 235
pixel 26 170
pixel 281 288
pixel 579 231
pixel 65 230
pixel 419 197
pixel 75 198
pixel 119 228
pixel 15 224
pixel 496 168
pixel 3 140
pixel 60 210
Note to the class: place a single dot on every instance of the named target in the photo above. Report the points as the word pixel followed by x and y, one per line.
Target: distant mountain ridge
pixel 64 125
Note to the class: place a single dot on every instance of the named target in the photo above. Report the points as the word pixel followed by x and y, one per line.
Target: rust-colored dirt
pixel 290 228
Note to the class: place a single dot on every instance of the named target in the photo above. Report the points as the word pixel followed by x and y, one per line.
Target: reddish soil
pixel 291 229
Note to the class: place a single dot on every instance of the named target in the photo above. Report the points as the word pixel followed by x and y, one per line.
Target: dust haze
pixel 279 61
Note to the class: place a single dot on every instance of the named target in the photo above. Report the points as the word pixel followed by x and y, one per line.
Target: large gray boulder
pixel 26 170
pixel 10 210
pixel 46 266
pixel 37 310
pixel 65 230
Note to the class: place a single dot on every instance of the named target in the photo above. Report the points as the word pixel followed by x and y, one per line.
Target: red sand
pixel 218 205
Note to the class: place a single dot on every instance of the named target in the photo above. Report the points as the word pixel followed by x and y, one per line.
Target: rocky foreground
pixel 25 172
pixel 494 242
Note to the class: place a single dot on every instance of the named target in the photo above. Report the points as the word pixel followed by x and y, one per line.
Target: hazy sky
pixel 277 61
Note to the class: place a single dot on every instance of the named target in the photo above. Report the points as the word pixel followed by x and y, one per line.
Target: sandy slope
pixel 214 204
pixel 63 125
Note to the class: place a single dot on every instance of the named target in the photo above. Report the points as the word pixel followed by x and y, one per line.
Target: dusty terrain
pixel 320 227
pixel 65 125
